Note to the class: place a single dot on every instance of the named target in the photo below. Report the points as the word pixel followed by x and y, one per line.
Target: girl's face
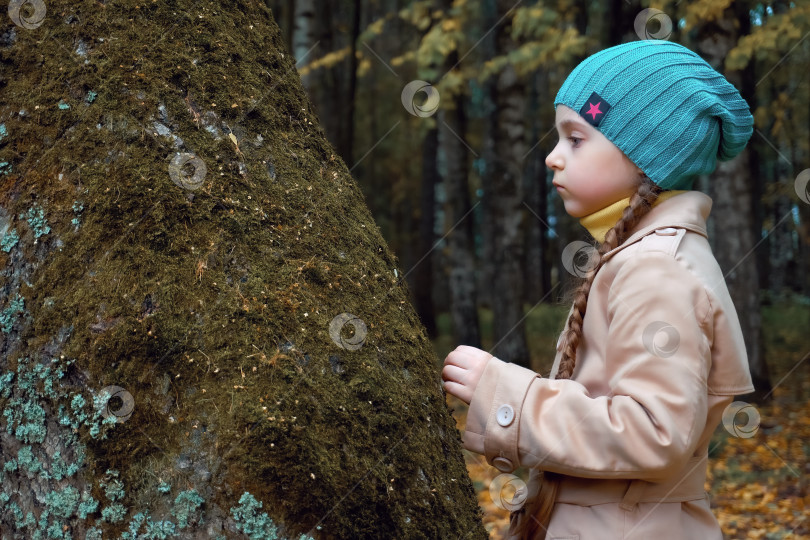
pixel 590 172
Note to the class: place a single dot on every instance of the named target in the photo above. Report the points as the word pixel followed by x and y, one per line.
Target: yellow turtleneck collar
pixel 601 221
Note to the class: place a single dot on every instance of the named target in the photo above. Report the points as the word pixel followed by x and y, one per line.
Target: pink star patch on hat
pixel 594 109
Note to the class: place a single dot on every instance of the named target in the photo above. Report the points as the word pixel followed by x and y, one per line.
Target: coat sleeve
pixel 657 359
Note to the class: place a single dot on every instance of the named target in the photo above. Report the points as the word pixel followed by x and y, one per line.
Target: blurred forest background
pixel 458 185
pixel 443 111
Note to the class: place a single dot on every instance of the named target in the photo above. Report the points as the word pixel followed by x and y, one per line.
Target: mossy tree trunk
pixel 204 334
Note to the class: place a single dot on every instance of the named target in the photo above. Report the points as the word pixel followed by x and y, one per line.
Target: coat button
pixel 666 231
pixel 505 415
pixel 503 464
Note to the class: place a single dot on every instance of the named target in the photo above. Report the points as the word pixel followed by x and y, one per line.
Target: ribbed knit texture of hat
pixel 666 108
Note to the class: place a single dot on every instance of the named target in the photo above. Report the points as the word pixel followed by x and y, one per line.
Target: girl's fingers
pixel 453 373
pixel 465 356
pixel 457 390
pixel 453 359
pixel 463 360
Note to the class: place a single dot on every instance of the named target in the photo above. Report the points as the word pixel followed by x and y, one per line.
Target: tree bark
pixel 538 274
pixel 504 212
pixel 202 330
pixel 304 36
pixel 731 191
pixel 423 269
pixel 458 225
pixel 345 143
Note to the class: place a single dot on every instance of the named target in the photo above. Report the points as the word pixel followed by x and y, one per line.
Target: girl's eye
pixel 574 140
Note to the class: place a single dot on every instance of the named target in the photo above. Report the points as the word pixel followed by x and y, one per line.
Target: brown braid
pixel 538 511
pixel 640 203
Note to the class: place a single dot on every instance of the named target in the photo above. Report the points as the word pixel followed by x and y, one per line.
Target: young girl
pixel 616 439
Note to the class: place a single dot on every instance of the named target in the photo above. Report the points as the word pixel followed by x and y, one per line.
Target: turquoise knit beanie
pixel 662 105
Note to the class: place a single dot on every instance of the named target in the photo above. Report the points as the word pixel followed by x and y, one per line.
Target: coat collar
pixel 688 210
pixel 601 221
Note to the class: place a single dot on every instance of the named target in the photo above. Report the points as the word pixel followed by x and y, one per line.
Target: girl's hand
pixel 462 370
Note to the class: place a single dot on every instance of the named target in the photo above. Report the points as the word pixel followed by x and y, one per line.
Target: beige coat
pixel 662 356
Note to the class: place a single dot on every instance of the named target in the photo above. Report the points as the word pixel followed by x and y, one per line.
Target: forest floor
pixel 757 482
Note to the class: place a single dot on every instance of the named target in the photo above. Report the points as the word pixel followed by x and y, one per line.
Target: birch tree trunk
pixel 303 35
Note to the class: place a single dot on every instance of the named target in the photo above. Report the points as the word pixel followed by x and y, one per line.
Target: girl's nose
pixel 553 160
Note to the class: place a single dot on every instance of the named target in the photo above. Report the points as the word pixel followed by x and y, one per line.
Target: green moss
pixel 256 525
pixel 30 422
pixel 159 530
pixel 36 220
pixel 9 315
pixel 30 522
pixel 113 513
pixel 15 511
pixel 114 490
pixel 5 384
pixel 87 506
pixel 134 526
pixel 63 469
pixel 10 239
pixel 185 505
pixel 27 460
pixel 77 209
pixel 153 530
pixel 36 384
pixel 77 405
pixel 63 503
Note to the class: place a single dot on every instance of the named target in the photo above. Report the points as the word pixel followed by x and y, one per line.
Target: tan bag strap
pixel 632 495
